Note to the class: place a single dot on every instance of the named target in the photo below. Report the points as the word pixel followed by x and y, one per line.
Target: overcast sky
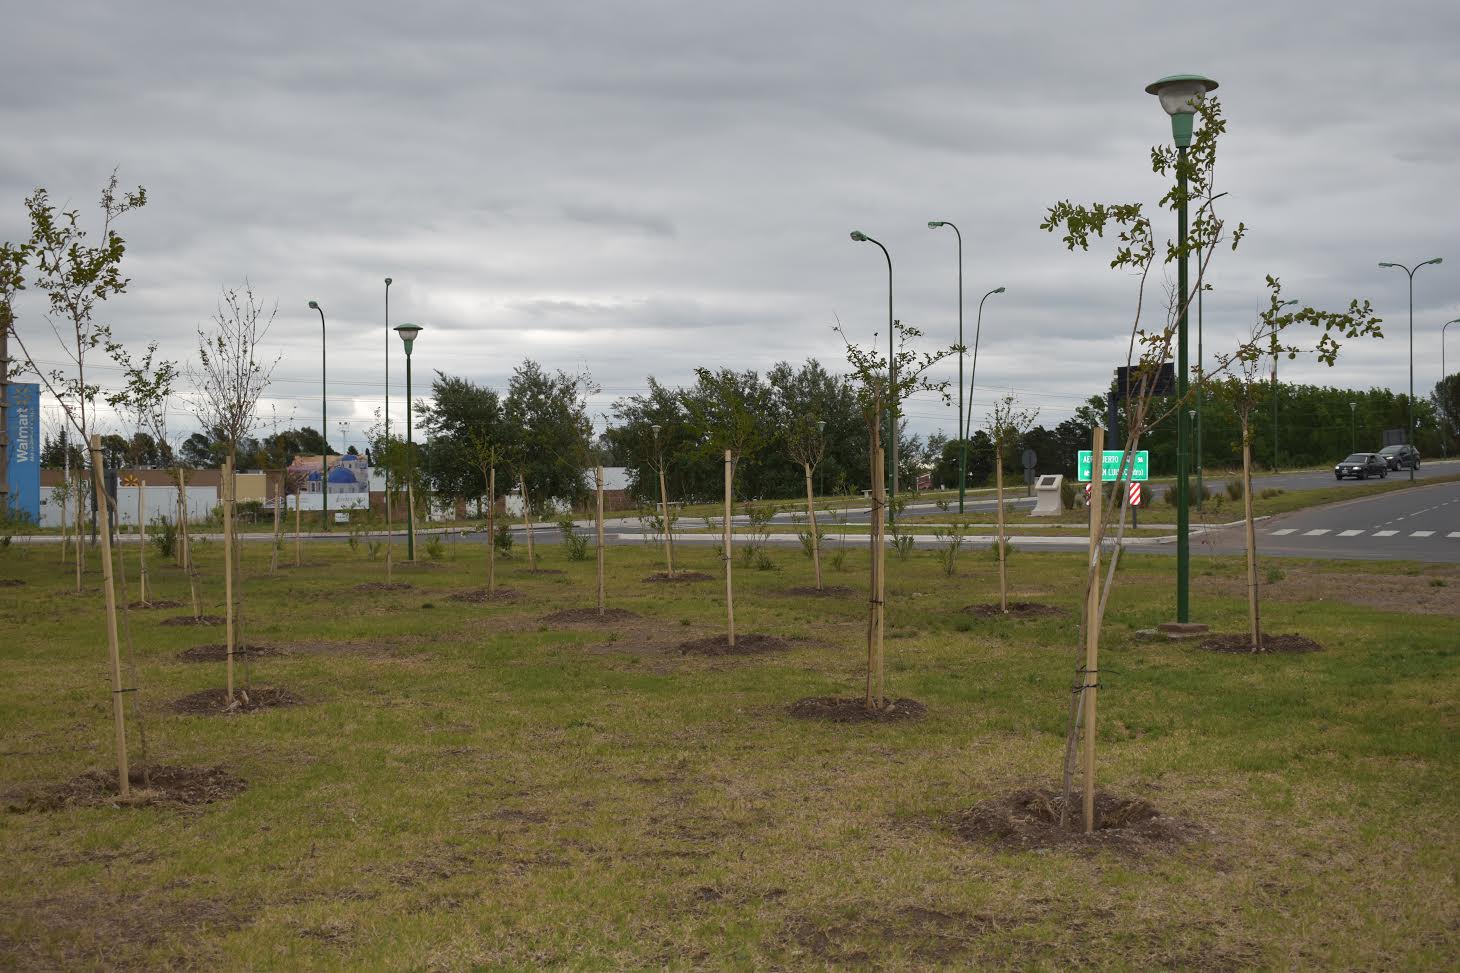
pixel 638 188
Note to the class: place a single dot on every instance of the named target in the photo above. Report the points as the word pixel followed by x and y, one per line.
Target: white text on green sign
pixel 1136 468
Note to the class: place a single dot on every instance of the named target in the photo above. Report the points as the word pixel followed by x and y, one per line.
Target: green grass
pixel 468 787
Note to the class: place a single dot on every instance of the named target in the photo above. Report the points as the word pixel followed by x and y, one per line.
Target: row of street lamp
pixel 408 333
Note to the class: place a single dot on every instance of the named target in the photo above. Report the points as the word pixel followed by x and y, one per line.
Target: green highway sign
pixel 1110 465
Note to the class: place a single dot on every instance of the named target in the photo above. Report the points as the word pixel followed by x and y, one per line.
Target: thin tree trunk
pixel 1002 540
pixel 879 696
pixel 668 533
pixel 598 476
pixel 1092 626
pixel 80 538
pixel 811 519
pixel 113 648
pixel 183 552
pixel 228 487
pixel 874 537
pixel 274 556
pixel 527 522
pixel 65 507
pixel 492 531
pixel 728 543
pixel 1253 617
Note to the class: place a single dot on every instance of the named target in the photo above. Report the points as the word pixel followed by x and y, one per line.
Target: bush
pixel 375 547
pixel 838 559
pixel 1270 492
pixel 994 550
pixel 1234 488
pixel 575 543
pixel 354 539
pixel 902 544
pixel 809 542
pixel 1274 575
pixel 435 549
pixel 1068 494
pixel 164 537
pixel 250 510
pixel 949 543
pixel 502 540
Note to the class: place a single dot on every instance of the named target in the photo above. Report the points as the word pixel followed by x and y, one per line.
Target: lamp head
pixel 408 334
pixel 998 290
pixel 820 426
pixel 388 282
pixel 656 427
pixel 1385 263
pixel 313 306
pixel 934 224
pixel 859 236
pixel 1180 94
pixel 1434 260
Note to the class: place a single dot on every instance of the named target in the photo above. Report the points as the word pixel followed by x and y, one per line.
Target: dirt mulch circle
pixel 1017 609
pixel 11 582
pixel 744 645
pixel 853 709
pixel 1270 644
pixel 679 577
pixel 385 586
pixel 589 616
pixel 479 595
pixel 218 652
pixel 213 702
pixel 175 786
pixel 1030 819
pixel 827 591
pixel 537 571
pixel 199 620
pixel 144 605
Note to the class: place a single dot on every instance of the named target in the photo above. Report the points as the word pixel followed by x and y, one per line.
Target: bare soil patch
pixel 537 571
pixel 196 620
pixel 159 786
pixel 218 652
pixel 11 582
pixel 385 586
pixel 827 591
pixel 589 616
pixel 161 603
pixel 213 702
pixel 853 709
pixel 933 938
pixel 1387 592
pixel 1269 643
pixel 751 644
pixel 479 595
pixel 679 577
pixel 1030 818
pixel 1017 609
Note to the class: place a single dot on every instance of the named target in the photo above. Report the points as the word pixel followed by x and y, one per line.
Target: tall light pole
pixel 1281 305
pixel 408 334
pixel 891 447
pixel 324 429
pixel 385 443
pixel 1180 94
pixel 962 443
pixel 973 375
pixel 1411 272
pixel 1353 427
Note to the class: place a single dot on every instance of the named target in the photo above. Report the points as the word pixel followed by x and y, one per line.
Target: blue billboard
pixel 23 431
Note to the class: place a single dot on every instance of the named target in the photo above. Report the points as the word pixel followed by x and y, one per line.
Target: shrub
pixel 902 544
pixel 994 550
pixel 1274 575
pixel 942 504
pixel 1270 492
pixel 810 542
pixel 164 537
pixel 838 559
pixel 949 543
pixel 1234 488
pixel 502 540
pixel 575 543
pixel 375 547
pixel 354 539
pixel 435 549
pixel 1068 494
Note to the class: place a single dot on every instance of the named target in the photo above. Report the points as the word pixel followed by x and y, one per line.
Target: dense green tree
pixel 546 432
pixel 460 409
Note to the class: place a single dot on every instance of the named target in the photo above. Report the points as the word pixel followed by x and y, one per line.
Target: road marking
pixel 1315 533
pixel 1454 533
pixel 1349 533
pixel 1385 533
pixel 1422 533
pixel 1285 530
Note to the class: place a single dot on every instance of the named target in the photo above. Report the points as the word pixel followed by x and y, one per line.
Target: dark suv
pixel 1400 457
pixel 1361 466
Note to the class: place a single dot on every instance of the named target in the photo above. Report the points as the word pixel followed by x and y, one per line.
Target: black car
pixel 1400 457
pixel 1361 466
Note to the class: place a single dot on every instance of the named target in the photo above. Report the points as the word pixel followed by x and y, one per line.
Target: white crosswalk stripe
pixel 1453 533
pixel 1314 533
pixel 1285 531
pixel 1349 533
pixel 1385 533
pixel 1422 533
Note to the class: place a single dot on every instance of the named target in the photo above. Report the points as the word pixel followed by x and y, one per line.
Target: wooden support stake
pixel 527 522
pixel 113 647
pixel 811 519
pixel 1002 540
pixel 274 556
pixel 141 541
pixel 1092 625
pixel 228 487
pixel 598 477
pixel 80 536
pixel 1254 621
pixel 182 521
pixel 727 543
pixel 492 530
pixel 668 532
pixel 298 533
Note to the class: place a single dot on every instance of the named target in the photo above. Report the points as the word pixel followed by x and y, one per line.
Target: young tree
pixel 875 388
pixel 144 399
pixel 487 454
pixel 230 376
pixel 459 410
pixel 806 442
pixel 1006 425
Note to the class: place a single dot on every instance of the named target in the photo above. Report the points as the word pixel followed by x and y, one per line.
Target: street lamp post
pixel 408 333
pixel 1353 427
pixel 891 447
pixel 324 429
pixel 1411 272
pixel 962 444
pixel 973 374
pixel 1179 95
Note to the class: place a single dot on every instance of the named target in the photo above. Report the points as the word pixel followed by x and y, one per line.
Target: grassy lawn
pixel 467 786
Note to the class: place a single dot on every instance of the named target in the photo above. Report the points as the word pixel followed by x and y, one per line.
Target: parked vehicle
pixel 1361 466
pixel 1400 457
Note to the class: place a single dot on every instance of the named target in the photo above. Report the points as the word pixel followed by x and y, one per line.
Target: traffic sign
pixel 1030 459
pixel 1110 465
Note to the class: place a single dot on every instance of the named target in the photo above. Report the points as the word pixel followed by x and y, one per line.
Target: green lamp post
pixel 1180 94
pixel 891 448
pixel 408 333
pixel 962 444
pixel 1411 272
pixel 1353 427
pixel 324 459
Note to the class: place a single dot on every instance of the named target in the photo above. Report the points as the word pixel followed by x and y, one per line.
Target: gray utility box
pixel 1047 491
